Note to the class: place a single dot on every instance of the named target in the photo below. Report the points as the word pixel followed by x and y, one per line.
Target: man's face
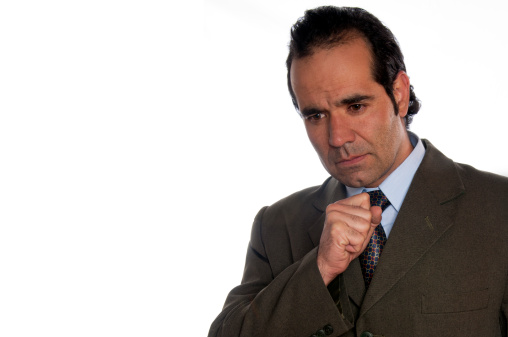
pixel 350 120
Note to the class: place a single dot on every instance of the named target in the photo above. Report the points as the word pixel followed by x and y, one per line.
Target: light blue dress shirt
pixel 396 185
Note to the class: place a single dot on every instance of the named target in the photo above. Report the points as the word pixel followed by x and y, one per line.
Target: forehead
pixel 344 69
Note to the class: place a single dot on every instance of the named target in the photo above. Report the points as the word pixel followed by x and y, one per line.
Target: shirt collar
pixel 396 185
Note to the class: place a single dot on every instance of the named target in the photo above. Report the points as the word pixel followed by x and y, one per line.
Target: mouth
pixel 353 160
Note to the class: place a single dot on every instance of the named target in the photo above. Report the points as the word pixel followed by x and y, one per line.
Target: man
pixel 423 253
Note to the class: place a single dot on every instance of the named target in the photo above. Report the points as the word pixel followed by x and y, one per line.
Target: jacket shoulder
pixel 312 199
pixel 474 178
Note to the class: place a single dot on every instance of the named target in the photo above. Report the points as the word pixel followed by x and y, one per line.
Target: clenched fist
pixel 349 224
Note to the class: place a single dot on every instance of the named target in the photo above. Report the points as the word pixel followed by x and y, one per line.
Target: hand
pixel 349 224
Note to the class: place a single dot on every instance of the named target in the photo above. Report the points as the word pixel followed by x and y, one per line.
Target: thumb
pixel 376 212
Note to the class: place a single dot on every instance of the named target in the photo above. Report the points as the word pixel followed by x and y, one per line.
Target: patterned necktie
pixel 370 256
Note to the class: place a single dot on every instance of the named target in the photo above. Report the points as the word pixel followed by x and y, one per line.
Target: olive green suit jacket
pixel 443 271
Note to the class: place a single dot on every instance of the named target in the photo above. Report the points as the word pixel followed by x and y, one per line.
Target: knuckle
pixel 331 208
pixel 352 234
pixel 355 218
pixel 337 229
pixel 365 196
pixel 359 221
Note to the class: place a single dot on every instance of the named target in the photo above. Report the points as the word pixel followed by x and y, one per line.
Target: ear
pixel 401 92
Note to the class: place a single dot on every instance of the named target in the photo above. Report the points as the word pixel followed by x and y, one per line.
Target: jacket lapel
pixel 426 214
pixel 354 283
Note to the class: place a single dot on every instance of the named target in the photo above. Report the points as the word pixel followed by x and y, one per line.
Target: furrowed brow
pixel 353 99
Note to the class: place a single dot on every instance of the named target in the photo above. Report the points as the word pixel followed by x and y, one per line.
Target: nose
pixel 340 131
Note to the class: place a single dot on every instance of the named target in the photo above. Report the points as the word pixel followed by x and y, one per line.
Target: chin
pixel 353 184
pixel 349 181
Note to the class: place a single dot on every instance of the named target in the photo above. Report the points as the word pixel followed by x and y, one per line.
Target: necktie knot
pixel 378 198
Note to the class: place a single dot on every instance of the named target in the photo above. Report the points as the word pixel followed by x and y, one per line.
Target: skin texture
pixel 352 124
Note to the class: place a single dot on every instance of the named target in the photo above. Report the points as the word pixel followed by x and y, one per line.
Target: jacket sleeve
pixel 295 302
pixel 503 316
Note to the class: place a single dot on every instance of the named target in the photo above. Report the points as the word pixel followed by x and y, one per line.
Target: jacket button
pixel 320 333
pixel 328 329
pixel 366 334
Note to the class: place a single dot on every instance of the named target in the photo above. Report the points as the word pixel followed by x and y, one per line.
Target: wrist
pixel 326 275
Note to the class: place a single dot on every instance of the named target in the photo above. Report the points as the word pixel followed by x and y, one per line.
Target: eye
pixel 315 117
pixel 356 107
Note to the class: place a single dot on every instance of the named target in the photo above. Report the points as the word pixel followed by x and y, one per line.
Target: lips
pixel 351 160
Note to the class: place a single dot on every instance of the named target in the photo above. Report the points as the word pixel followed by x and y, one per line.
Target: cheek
pixel 318 139
pixel 389 137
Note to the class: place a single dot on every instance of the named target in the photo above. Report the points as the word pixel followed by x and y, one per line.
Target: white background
pixel 138 139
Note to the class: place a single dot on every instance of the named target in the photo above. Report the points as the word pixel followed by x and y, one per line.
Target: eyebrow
pixel 356 98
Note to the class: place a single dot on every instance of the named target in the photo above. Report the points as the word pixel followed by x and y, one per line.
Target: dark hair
pixel 327 26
